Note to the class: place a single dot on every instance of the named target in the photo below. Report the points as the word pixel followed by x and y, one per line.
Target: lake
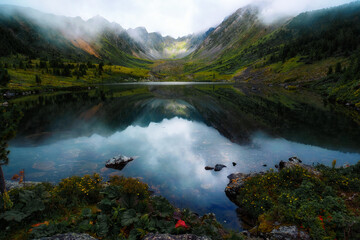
pixel 177 130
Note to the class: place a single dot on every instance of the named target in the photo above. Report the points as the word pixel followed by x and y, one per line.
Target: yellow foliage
pixel 265 225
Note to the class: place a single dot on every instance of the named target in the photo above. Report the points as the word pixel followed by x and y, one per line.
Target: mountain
pixel 243 39
pixel 159 47
pixel 229 40
pixel 319 49
pixel 30 32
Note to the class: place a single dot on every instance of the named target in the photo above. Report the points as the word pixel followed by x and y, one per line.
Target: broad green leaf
pixel 13 215
pixel 129 217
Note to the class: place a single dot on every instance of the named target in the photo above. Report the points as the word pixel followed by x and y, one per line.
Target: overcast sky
pixel 169 17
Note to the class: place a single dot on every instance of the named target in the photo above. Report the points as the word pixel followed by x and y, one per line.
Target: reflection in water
pixel 172 155
pixel 176 131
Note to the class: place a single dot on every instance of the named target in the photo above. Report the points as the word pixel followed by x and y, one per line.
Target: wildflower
pixel 181 223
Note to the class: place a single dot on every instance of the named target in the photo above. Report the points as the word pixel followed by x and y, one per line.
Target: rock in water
pixel 118 162
pixel 295 159
pixel 209 168
pixel 218 167
pixel 234 164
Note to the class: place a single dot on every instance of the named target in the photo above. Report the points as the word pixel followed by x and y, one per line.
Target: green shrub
pixel 297 197
pixel 75 190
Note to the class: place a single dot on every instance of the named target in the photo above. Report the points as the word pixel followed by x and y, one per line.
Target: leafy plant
pixel 296 196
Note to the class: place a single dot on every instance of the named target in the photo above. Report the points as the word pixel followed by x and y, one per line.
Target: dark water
pixel 175 132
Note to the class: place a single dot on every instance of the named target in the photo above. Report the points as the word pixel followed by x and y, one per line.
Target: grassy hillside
pixel 303 51
pixel 31 74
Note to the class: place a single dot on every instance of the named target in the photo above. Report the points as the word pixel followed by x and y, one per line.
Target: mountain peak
pixel 248 9
pixel 98 20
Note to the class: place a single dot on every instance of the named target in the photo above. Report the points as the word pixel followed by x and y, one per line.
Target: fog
pixel 171 17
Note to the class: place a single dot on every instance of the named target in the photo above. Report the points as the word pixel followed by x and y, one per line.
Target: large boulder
pixel 118 162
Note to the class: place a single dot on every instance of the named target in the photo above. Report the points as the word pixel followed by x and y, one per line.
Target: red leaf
pixel 15 177
pixel 181 223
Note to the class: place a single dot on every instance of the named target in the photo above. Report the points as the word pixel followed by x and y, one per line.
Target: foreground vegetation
pixel 123 208
pixel 327 206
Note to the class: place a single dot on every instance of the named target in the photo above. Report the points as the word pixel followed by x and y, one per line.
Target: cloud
pixel 171 17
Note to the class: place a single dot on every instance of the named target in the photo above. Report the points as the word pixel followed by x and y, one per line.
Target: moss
pixel 265 224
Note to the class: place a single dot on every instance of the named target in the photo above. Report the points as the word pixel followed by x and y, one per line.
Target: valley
pixel 247 94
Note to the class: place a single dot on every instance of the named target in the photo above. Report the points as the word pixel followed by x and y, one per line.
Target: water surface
pixel 174 138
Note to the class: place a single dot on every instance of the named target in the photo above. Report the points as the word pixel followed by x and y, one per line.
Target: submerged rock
pixel 219 167
pixel 118 162
pixel 153 236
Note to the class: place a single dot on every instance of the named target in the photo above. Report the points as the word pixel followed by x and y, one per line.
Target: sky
pixel 171 17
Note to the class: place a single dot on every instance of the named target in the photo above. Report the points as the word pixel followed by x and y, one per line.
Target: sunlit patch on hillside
pixel 80 43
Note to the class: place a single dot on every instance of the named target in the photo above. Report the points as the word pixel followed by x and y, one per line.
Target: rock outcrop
pixel 279 231
pixel 296 162
pixel 236 182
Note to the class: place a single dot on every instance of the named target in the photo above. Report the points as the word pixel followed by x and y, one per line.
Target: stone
pixel 69 236
pixel 236 182
pixel 296 162
pixel 288 233
pixel 219 167
pixel 295 159
pixel 209 168
pixel 9 184
pixel 118 162
pixel 152 236
pixel 234 164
